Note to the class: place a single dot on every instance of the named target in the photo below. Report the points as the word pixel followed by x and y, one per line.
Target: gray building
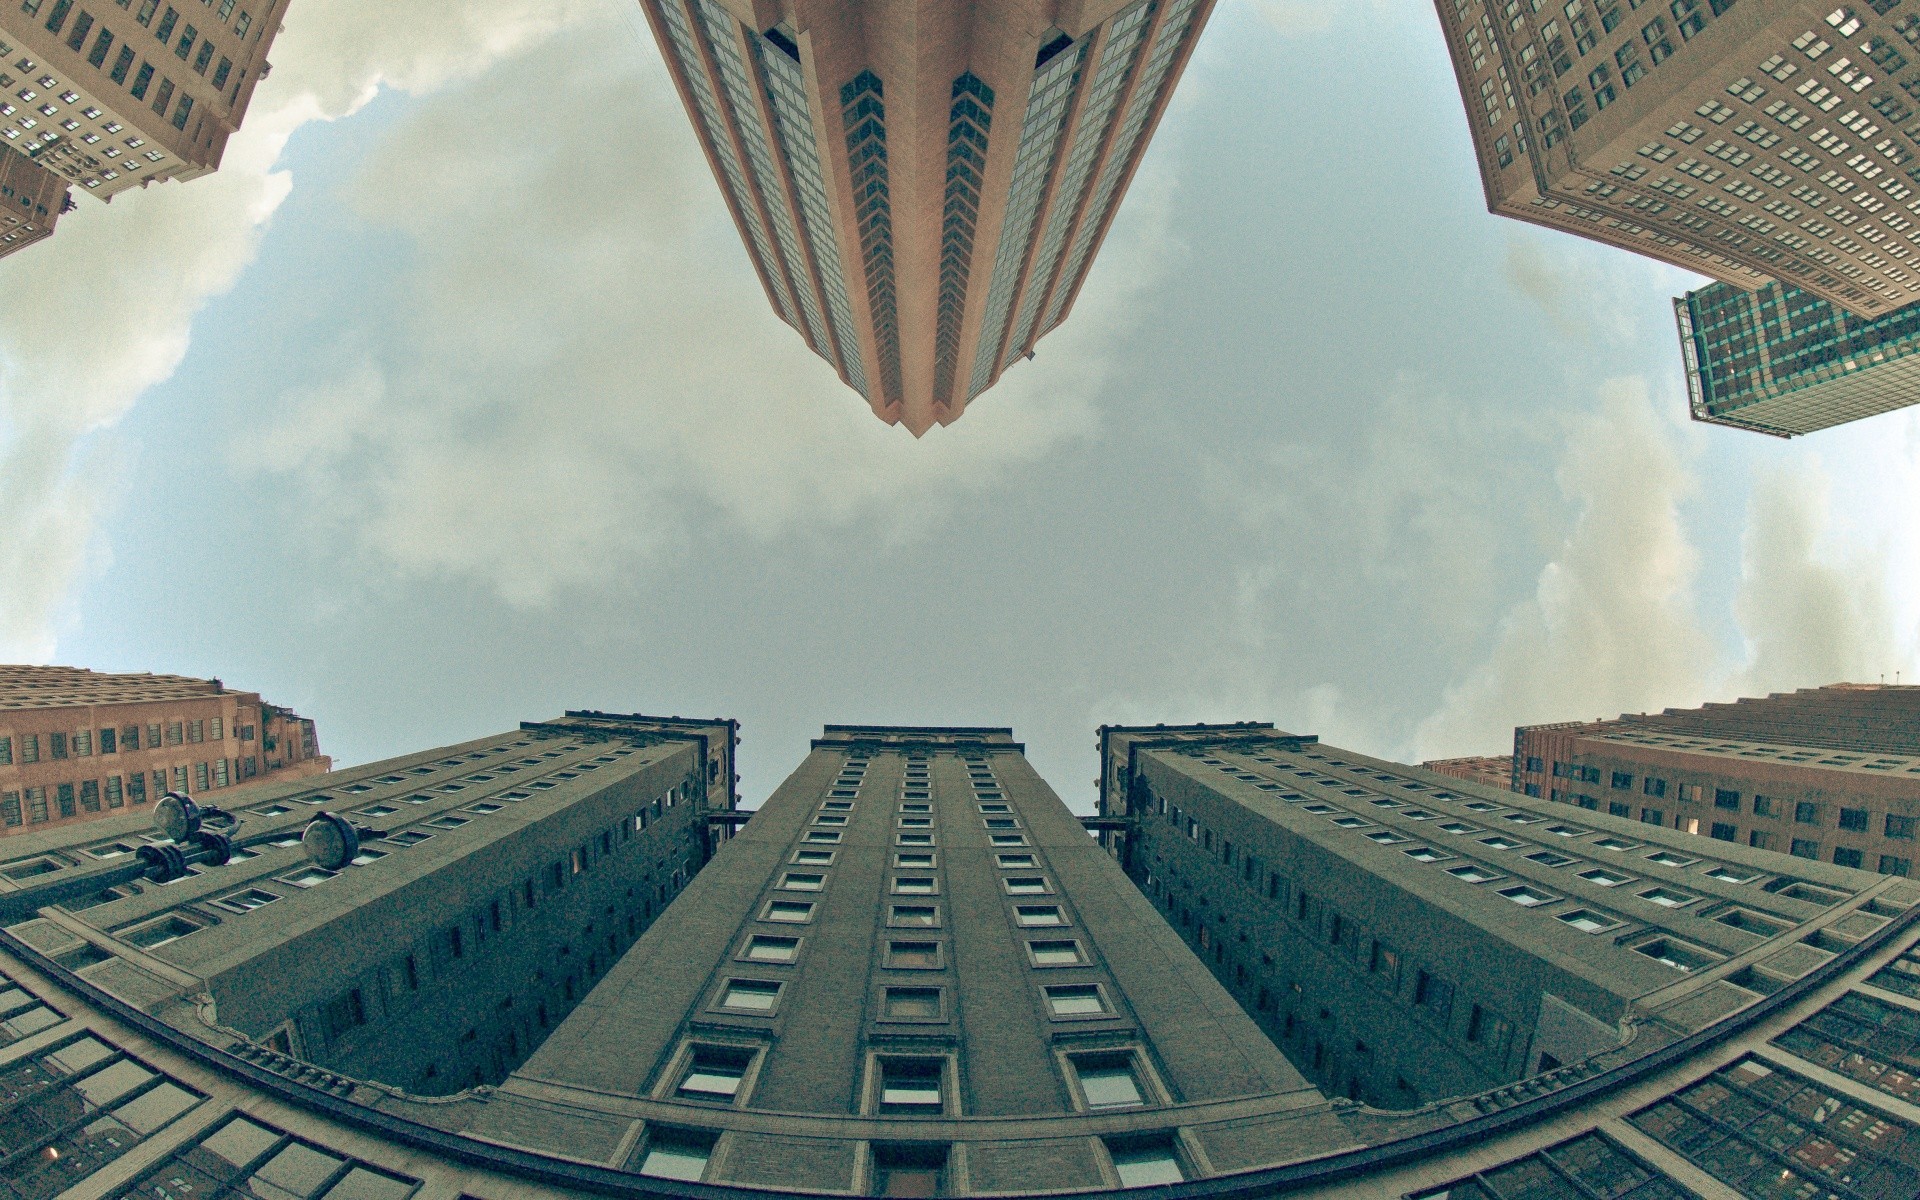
pixel 1783 361
pixel 912 972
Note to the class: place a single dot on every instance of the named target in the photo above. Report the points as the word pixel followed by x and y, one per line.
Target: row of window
pixel 117 739
pixel 34 805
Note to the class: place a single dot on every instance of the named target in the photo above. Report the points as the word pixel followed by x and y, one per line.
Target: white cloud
pixel 1612 625
pixel 1814 606
pixel 115 291
pixel 584 372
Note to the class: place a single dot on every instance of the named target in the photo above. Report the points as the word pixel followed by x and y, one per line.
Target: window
pixel 1678 955
pixel 910 1086
pixel 1803 848
pixel 912 1004
pixel 1894 865
pixel 1899 827
pixel 1063 953
pixel 1526 897
pixel 714 1073
pixel 791 911
pixel 1844 857
pixel 913 955
pixel 1588 921
pixel 1472 873
pixel 1026 885
pixel 1107 1080
pixel 307 877
pixel 1075 1000
pixel 1034 915
pixel 912 1170
pixel 909 916
pixel 1853 819
pixel 750 995
pixel 677 1153
pixel 158 933
pixel 1806 813
pixel 914 885
pixel 813 858
pixel 1667 897
pixel 1434 993
pixel 1145 1162
pixel 772 948
pixel 801 881
pixel 1722 798
pixel 247 901
pixel 1621 781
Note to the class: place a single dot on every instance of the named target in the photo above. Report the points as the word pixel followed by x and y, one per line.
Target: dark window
pixel 1763 806
pixel 1893 865
pixel 1806 813
pixel 1803 848
pixel 164 30
pixel 1853 819
pixel 1622 781
pixel 1722 798
pixel 1654 787
pixel 1760 840
pixel 1618 808
pixel 77 36
pixel 1843 857
pixel 1533 763
pixel 1725 832
pixel 1899 827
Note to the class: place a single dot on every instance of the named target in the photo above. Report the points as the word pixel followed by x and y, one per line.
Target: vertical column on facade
pixel 1114 58
pixel 1048 108
pixel 863 118
pixel 1170 40
pixel 791 116
pixel 748 103
pixel 694 73
pixel 969 123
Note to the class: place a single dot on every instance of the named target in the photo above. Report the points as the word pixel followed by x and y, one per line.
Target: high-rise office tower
pixel 912 973
pixel 922 187
pixel 78 745
pixel 1829 773
pixel 1775 142
pixel 109 96
pixel 1782 361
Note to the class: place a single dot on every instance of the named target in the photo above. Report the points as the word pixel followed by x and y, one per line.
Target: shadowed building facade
pixel 31 201
pixel 913 973
pixel 1493 771
pixel 1772 140
pixel 79 745
pixel 1830 773
pixel 1782 361
pixel 108 96
pixel 922 187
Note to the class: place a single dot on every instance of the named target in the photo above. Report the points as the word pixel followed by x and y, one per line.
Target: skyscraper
pixel 110 96
pixel 1779 360
pixel 1829 773
pixel 1772 143
pixel 911 973
pixel 922 187
pixel 78 745
pixel 1493 771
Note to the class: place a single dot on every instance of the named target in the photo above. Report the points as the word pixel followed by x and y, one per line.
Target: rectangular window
pixel 910 1086
pixel 164 30
pixel 1806 813
pixel 63 799
pixel 6 751
pixel 1656 788
pixel 161 96
pixel 57 745
pixel 184 47
pixel 750 995
pixel 220 72
pixel 1853 820
pixel 108 740
pixel 1145 1163
pixel 1843 857
pixel 77 36
pixel 676 1153
pixel 1107 1080
pixel 1075 1000
pixel 1803 848
pixel 1722 798
pixel 715 1073
pixel 1889 864
pixel 58 15
pixel 912 1003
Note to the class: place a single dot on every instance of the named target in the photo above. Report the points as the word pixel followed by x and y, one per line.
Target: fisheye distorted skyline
pixel 440 408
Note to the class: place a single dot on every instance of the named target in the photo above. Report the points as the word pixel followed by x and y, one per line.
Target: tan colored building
pixel 111 95
pixel 76 745
pixel 1830 773
pixel 1494 771
pixel 31 201
pixel 1768 141
pixel 922 187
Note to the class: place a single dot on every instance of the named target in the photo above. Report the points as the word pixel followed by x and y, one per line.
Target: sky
pixel 451 401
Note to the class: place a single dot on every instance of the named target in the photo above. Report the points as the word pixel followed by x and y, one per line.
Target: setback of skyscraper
pixel 922 188
pixel 1782 361
pixel 558 962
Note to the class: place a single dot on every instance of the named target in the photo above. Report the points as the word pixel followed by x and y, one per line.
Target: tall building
pixel 1782 361
pixel 1772 143
pixel 1829 773
pixel 76 745
pixel 922 187
pixel 912 973
pixel 31 201
pixel 1492 771
pixel 109 96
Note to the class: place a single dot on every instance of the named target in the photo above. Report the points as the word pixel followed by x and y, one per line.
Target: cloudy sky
pixel 451 401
